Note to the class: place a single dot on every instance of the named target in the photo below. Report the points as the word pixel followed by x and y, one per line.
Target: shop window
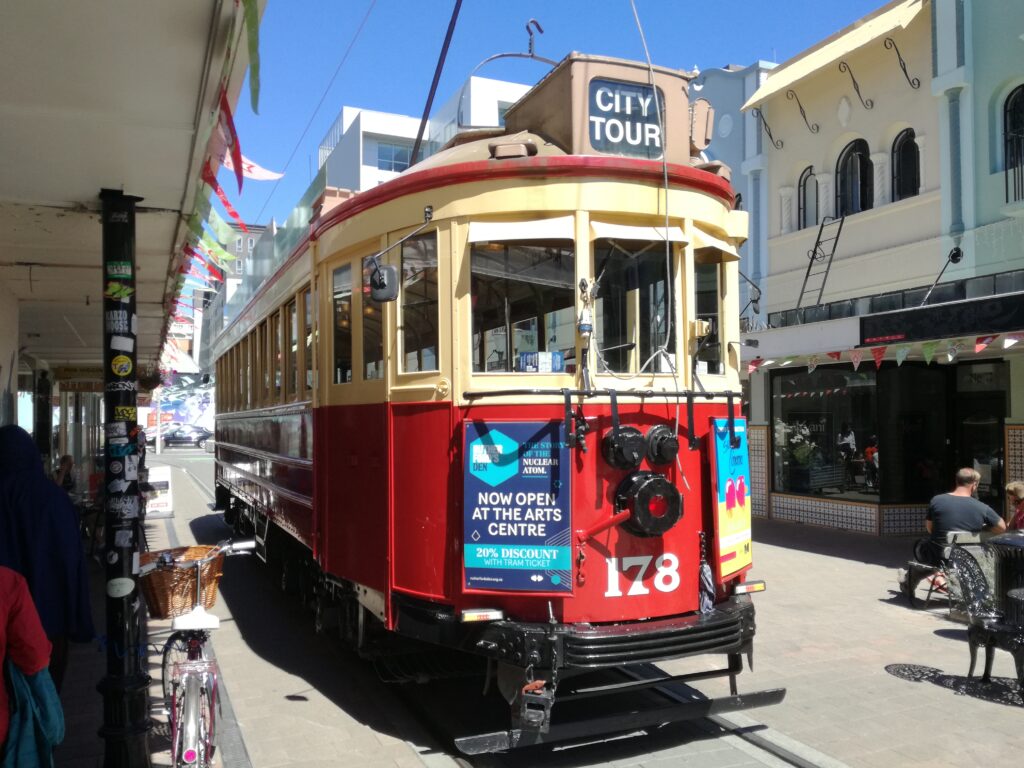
pixel 419 304
pixel 373 328
pixel 708 278
pixel 523 305
pixel 631 316
pixel 807 205
pixel 854 179
pixel 906 166
pixel 1013 144
pixel 308 304
pixel 822 422
pixel 342 307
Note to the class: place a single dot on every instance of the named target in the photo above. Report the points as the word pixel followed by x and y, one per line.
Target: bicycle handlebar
pixel 226 547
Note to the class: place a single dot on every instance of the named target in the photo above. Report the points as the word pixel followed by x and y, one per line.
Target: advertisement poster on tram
pixel 730 475
pixel 516 526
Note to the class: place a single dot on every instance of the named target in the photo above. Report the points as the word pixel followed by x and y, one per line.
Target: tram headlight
pixel 653 502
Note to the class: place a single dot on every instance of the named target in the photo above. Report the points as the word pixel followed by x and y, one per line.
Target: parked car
pixel 188 436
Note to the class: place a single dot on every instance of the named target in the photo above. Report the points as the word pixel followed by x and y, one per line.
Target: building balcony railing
pixel 909 298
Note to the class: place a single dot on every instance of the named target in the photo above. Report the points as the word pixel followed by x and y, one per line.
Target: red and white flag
pixel 211 178
pixel 252 171
pixel 983 341
pixel 879 354
pixel 855 357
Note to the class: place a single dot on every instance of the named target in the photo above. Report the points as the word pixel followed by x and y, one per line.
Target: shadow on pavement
pixel 1002 690
pixel 888 551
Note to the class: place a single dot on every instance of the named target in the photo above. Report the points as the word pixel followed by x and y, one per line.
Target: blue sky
pixel 390 63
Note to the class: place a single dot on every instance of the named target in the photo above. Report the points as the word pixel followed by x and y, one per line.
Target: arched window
pixel 855 185
pixel 1013 144
pixel 906 166
pixel 807 206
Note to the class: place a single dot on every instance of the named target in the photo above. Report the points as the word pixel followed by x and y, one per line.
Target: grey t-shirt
pixel 958 513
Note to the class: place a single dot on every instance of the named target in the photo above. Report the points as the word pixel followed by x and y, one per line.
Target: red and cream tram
pixel 493 404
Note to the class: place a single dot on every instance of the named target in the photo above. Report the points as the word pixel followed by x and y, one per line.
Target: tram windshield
pixel 523 306
pixel 631 313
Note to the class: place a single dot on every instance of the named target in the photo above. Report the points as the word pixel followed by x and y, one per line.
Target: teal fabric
pixel 37 720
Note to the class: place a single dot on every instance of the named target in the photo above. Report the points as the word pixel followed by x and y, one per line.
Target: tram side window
pixel 708 278
pixel 262 368
pixel 523 301
pixel 342 302
pixel 292 374
pixel 274 358
pixel 419 304
pixel 632 310
pixel 247 355
pixel 308 303
pixel 373 331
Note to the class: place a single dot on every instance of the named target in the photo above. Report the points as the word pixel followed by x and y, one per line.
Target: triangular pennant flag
pixel 252 171
pixel 855 357
pixel 928 350
pixel 953 350
pixel 230 136
pixel 754 364
pixel 195 225
pixel 835 355
pixel 1012 338
pixel 901 354
pixel 210 178
pixel 983 341
pixel 220 228
pixel 812 363
pixel 213 249
pixel 878 353
pixel 786 362
pixel 252 27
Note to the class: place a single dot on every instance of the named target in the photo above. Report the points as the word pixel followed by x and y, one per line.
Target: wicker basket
pixel 171 592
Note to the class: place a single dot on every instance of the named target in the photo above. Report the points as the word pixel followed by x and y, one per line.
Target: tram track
pixel 450 707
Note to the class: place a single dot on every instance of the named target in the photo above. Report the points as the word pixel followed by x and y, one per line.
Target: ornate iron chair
pixel 987 626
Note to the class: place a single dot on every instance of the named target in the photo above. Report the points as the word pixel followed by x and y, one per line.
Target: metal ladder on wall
pixel 819 258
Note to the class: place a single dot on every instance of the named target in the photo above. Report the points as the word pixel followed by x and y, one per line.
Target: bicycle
pixel 181 584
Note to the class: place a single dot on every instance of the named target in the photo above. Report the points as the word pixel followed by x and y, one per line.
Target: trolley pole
pixel 125 687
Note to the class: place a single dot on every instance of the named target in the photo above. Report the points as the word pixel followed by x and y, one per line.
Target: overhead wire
pixel 316 109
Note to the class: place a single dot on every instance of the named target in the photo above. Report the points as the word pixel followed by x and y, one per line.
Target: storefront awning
pixel 603 230
pixel 703 239
pixel 896 15
pixel 560 228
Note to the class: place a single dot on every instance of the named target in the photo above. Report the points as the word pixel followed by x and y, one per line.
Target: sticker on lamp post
pixel 516 518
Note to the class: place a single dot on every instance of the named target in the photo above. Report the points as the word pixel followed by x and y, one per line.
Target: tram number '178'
pixel 666 574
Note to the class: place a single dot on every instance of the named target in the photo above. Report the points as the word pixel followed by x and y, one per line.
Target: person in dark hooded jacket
pixel 40 539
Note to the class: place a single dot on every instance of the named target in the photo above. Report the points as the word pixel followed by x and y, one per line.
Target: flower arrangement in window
pixel 795 444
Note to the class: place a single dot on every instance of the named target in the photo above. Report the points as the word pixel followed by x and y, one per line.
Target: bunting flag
pixel 812 363
pixel 226 125
pixel 879 354
pixel 252 27
pixel 754 364
pixel 786 362
pixel 953 351
pixel 856 355
pixel 213 249
pixel 837 356
pixel 983 341
pixel 1012 338
pixel 901 354
pixel 928 350
pixel 195 224
pixel 211 178
pixel 252 171
pixel 220 228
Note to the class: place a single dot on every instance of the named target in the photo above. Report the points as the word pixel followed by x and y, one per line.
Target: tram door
pixel 980 442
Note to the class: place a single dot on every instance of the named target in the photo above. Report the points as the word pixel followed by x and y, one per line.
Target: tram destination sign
pixel 516 505
pixel 623 119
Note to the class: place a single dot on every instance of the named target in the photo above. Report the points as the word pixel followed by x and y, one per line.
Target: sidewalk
pixel 871 682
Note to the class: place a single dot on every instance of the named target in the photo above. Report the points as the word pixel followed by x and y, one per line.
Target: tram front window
pixel 523 306
pixel 631 313
pixel 419 304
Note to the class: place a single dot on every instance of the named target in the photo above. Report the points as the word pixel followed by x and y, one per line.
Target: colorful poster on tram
pixel 730 478
pixel 516 507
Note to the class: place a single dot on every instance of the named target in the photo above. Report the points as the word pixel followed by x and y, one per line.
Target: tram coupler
pixel 532 710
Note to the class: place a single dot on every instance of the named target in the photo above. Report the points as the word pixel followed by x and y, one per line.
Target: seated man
pixel 958 511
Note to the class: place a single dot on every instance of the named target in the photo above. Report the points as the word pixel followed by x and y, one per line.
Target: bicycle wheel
pixel 175 650
pixel 207 726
